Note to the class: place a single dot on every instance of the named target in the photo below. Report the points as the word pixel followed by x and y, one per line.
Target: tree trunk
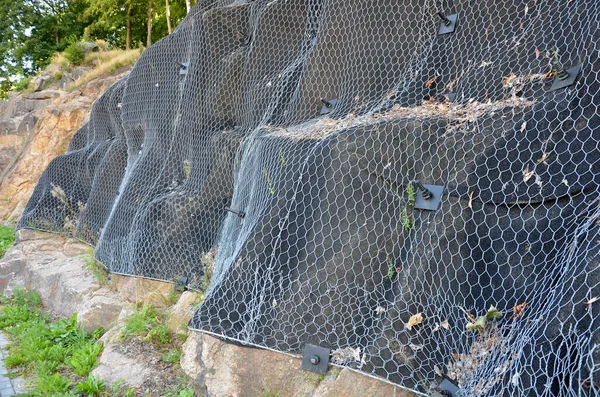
pixel 168 12
pixel 128 28
pixel 149 37
pixel 188 5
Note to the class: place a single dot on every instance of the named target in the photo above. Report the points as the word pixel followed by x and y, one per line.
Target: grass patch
pixel 57 356
pixel 106 62
pixel 95 268
pixel 7 238
pixel 148 324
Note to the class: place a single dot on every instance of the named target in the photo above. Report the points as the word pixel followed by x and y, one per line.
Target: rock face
pixel 34 129
pixel 216 141
pixel 227 370
pixel 55 266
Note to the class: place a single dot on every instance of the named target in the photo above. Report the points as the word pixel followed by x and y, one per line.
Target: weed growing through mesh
pixel 406 220
pixel 269 183
pixel 57 355
pixel 96 268
pixel 411 193
pixel 7 238
pixel 72 214
pixel 391 269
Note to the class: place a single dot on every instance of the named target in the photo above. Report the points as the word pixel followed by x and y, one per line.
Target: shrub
pixel 75 53
pixel 23 84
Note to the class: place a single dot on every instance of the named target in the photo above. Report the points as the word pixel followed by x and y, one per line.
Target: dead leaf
pixel 431 81
pixel 527 175
pixel 537 54
pixel 438 371
pixel 445 324
pixel 415 347
pixel 519 309
pixel 414 320
pixel 523 126
pixel 589 303
pixel 471 200
pixel 544 157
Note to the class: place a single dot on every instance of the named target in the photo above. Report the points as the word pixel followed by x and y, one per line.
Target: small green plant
pixel 84 358
pixel 52 352
pixel 391 269
pixel 91 386
pixel 406 220
pixel 75 53
pixel 148 324
pixel 7 238
pixel 23 84
pixel 269 183
pixel 411 194
pixel 481 322
pixel 282 157
pixel 95 268
pixel 172 357
pixel 52 384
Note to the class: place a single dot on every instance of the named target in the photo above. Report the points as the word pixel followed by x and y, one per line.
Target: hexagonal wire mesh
pixel 211 158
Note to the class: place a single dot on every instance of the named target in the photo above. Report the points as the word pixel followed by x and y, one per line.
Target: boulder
pixel 220 369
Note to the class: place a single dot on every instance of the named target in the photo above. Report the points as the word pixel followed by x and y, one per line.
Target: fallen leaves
pixel 431 81
pixel 544 158
pixel 589 302
pixel 527 175
pixel 414 320
pixel 519 309
pixel 480 323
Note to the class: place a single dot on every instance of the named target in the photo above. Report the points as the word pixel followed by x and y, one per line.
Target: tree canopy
pixel 32 31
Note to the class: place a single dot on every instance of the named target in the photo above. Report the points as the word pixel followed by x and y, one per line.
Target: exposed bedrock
pixel 214 141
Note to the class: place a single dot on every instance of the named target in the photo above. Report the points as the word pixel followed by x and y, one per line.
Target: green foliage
pixel 172 357
pixel 411 194
pixel 269 182
pixel 391 269
pixel 406 220
pixel 7 238
pixel 148 324
pixel 52 384
pixel 84 358
pixel 75 53
pixel 53 352
pixel 481 322
pixel 91 386
pixel 96 268
pixel 23 84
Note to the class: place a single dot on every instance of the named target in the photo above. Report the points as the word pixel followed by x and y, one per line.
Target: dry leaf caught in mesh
pixel 414 320
pixel 519 309
pixel 431 81
pixel 589 302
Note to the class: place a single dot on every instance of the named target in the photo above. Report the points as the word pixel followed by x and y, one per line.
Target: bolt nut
pixel 314 360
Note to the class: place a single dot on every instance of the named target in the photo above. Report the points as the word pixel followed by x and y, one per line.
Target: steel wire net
pixel 212 161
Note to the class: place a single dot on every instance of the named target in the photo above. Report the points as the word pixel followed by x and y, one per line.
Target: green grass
pixel 57 356
pixel 172 356
pixel 95 268
pixel 7 238
pixel 150 325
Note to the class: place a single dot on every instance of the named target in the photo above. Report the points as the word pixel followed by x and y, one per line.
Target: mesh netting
pixel 211 159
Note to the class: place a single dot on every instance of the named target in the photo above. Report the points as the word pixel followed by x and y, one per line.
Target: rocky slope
pixel 55 266
pixel 34 129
